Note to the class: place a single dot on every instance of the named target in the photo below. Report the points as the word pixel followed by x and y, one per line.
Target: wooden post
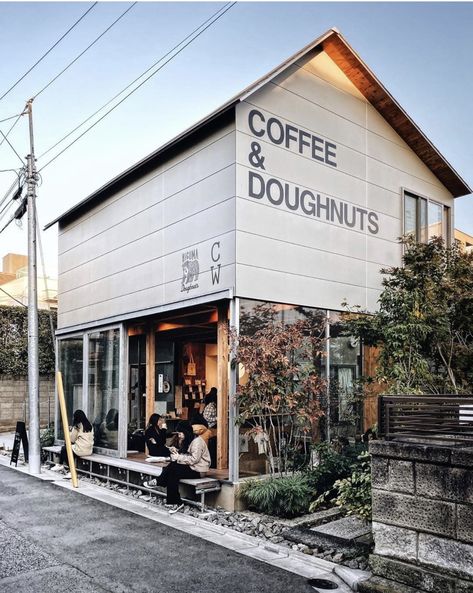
pixel 222 386
pixel 65 428
pixel 150 370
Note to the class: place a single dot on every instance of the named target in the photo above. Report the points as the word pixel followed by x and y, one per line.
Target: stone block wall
pixel 14 401
pixel 422 517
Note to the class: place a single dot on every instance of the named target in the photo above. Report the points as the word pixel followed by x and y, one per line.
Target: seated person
pixel 155 436
pixel 200 427
pixel 191 460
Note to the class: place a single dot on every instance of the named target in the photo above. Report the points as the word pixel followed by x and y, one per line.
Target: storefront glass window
pixel 258 437
pixel 103 377
pixel 70 351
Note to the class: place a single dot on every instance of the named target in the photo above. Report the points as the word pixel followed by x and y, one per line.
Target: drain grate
pixel 322 584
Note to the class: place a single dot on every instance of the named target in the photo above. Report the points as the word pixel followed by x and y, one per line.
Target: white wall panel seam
pixel 142 263
pixel 315 219
pixel 141 237
pixel 367 103
pixel 161 201
pixel 409 151
pixel 318 249
pixel 108 203
pixel 308 158
pixel 142 289
pixel 330 84
pixel 318 278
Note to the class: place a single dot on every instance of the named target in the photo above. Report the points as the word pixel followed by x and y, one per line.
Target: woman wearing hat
pixel 190 460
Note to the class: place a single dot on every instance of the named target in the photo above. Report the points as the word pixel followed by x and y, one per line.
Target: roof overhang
pixel 338 49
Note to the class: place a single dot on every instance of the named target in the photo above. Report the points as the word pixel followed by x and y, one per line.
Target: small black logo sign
pixel 190 270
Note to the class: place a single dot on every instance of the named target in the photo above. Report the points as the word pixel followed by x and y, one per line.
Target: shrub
pixel 354 492
pixel 332 467
pixel 287 496
pixel 46 439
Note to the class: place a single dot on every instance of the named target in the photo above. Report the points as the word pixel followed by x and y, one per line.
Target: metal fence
pixel 441 419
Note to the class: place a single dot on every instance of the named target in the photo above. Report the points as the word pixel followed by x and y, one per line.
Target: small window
pixel 424 219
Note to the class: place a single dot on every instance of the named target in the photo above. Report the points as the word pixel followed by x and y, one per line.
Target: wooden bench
pixel 201 486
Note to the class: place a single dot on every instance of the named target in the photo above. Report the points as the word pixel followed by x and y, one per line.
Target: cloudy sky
pixel 422 53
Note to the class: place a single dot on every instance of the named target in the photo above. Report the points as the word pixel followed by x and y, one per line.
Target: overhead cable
pixel 11 128
pixel 13 298
pixel 11 146
pixel 48 52
pixel 11 117
pixel 194 35
pixel 84 51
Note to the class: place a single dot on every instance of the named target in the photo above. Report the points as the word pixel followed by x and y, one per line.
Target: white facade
pixel 301 256
pixel 127 253
pixel 310 224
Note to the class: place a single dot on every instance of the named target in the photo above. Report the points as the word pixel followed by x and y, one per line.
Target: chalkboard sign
pixel 20 437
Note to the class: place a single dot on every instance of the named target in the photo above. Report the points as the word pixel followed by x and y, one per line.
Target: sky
pixel 421 52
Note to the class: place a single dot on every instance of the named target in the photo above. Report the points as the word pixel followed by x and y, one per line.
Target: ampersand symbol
pixel 254 157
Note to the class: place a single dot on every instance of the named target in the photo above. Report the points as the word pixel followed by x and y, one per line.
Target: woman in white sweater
pixel 191 460
pixel 82 439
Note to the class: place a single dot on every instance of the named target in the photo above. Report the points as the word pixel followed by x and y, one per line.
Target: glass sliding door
pixel 70 362
pixel 103 386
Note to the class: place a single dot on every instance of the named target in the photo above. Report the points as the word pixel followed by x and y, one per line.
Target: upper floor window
pixel 424 218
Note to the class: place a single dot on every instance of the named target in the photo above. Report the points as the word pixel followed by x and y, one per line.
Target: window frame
pixel 445 219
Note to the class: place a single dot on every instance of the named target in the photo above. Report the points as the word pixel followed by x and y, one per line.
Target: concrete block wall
pixel 423 516
pixel 14 401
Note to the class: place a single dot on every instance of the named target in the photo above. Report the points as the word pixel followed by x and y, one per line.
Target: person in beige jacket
pixel 191 460
pixel 82 439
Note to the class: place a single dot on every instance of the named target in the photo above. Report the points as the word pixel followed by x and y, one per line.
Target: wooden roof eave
pixel 366 82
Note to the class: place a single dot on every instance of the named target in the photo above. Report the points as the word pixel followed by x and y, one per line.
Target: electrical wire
pixel 7 224
pixel 11 128
pixel 11 117
pixel 194 35
pixel 84 51
pixel 49 51
pixel 12 297
pixel 12 147
pixel 45 278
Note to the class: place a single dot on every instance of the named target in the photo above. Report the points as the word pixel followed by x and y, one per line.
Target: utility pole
pixel 33 367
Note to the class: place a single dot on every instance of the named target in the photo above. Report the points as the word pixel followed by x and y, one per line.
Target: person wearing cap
pixel 190 460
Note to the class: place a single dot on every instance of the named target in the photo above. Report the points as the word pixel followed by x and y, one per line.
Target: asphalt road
pixel 54 540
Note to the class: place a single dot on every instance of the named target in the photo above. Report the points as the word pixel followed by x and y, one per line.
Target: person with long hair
pixel 82 439
pixel 190 460
pixel 155 436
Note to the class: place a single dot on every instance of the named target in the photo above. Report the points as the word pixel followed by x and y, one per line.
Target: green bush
pixel 46 439
pixel 14 341
pixel 354 493
pixel 288 496
pixel 332 467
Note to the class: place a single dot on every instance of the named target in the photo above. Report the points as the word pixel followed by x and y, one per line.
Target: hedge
pixel 14 341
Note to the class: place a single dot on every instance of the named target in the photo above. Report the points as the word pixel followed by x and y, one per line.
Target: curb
pixel 278 556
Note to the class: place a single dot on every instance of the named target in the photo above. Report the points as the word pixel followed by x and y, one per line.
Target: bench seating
pixel 201 486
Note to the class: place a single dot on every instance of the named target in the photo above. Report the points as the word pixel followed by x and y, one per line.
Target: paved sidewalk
pixel 79 536
pixel 6 440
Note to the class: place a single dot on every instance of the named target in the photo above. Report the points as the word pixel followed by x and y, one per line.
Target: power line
pixel 11 117
pixel 12 297
pixel 194 35
pixel 48 52
pixel 11 128
pixel 11 146
pixel 84 51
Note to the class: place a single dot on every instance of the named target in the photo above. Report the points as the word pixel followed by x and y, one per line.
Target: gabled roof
pixel 335 45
